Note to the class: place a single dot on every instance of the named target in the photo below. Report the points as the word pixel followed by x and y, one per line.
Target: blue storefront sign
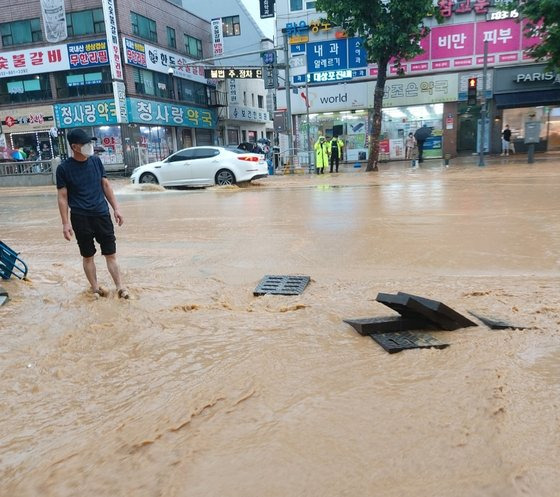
pixel 335 55
pixel 166 114
pixel 91 113
pixel 88 54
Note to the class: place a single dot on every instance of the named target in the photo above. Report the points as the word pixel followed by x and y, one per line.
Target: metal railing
pixel 25 167
pixel 294 160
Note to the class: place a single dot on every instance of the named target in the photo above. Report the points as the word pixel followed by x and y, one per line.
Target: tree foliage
pixel 543 19
pixel 391 30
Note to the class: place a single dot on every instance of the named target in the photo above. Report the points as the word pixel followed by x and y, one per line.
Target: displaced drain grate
pixel 282 285
pixel 395 342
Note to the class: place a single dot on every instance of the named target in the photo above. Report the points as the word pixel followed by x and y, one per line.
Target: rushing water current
pixel 195 387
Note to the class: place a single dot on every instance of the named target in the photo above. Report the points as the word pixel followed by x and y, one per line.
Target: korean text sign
pixel 34 61
pixel 79 114
pixel 88 53
pixel 165 114
pixel 155 59
pixel 335 54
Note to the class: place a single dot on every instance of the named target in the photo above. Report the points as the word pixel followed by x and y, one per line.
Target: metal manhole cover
pixel 282 285
pixel 395 342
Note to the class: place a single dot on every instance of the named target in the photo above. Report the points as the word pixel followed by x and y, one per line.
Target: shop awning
pixel 527 99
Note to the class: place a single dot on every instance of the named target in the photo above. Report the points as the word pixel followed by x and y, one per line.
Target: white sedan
pixel 202 166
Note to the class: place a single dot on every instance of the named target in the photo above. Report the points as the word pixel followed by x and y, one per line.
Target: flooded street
pixel 197 388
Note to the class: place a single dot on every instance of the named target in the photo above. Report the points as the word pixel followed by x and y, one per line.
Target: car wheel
pixel 225 177
pixel 148 178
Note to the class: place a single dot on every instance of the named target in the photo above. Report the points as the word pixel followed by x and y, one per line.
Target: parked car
pixel 202 166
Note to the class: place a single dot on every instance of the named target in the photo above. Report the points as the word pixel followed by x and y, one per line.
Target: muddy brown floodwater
pixel 197 388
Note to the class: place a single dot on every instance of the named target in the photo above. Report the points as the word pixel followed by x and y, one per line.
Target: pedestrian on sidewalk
pixel 506 140
pixel 335 152
pixel 321 155
pixel 410 143
pixel 84 188
pixel 421 135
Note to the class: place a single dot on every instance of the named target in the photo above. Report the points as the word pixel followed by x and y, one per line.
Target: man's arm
pixel 63 208
pixel 110 196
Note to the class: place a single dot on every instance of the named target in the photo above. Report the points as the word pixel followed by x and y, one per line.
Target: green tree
pixel 543 19
pixel 391 30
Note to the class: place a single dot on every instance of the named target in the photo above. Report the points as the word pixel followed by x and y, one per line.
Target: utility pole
pixel 483 110
pixel 288 100
pixel 308 124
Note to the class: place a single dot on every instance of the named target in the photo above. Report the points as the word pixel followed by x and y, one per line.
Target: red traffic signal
pixel 471 91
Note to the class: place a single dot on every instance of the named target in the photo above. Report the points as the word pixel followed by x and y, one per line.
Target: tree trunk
pixel 373 159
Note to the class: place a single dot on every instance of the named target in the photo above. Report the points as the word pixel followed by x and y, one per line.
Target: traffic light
pixel 471 92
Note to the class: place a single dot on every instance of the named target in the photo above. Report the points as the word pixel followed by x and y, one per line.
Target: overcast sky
pixel 267 25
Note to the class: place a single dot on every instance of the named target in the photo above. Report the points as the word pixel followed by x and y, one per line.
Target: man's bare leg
pixel 91 272
pixel 114 270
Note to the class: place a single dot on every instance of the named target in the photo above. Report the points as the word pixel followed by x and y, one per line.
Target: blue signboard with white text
pixel 91 113
pixel 335 55
pixel 88 54
pixel 166 114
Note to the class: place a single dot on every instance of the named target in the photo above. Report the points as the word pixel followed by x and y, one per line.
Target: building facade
pixel 125 70
pixel 333 83
pixel 247 117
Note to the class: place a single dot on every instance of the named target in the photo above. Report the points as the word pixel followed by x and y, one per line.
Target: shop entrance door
pixel 466 141
pixel 186 138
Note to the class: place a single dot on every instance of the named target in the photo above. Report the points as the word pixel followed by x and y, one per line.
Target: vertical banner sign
pixel 217 42
pixel 113 39
pixel 54 20
pixel 267 8
pixel 121 109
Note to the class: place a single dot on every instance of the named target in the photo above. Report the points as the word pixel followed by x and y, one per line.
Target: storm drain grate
pixel 282 285
pixel 395 342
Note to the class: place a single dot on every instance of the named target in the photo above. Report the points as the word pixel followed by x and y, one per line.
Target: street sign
pixel 270 75
pixel 279 121
pixel 269 57
pixel 233 73
pixel 336 55
pixel 267 8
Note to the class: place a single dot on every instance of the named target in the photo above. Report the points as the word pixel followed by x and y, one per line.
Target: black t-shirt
pixel 507 134
pixel 83 182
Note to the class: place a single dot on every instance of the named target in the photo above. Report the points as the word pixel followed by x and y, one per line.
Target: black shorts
pixel 86 228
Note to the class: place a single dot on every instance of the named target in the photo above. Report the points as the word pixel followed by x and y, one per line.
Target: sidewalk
pixel 462 161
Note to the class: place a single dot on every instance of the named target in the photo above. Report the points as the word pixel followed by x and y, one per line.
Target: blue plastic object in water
pixel 11 264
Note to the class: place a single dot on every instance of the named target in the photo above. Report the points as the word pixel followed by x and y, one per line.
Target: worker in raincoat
pixel 321 155
pixel 335 152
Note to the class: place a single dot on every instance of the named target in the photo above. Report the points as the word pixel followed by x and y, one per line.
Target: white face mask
pixel 87 149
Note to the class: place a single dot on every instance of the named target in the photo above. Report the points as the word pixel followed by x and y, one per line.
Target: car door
pixel 175 170
pixel 204 165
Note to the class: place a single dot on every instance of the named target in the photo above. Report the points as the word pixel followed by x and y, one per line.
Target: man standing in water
pixel 83 186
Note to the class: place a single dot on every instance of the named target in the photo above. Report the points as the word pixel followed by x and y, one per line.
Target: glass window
pixel 85 22
pixel 193 47
pixel 80 82
pixel 19 32
pixel 143 27
pixel 192 92
pixel 205 153
pixel 231 26
pixel 298 5
pixel 25 89
pixel 261 102
pixel 171 41
pixel 151 83
pixel 181 156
